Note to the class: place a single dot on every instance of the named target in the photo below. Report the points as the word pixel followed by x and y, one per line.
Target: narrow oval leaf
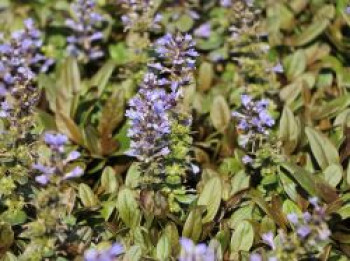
pixel 312 183
pixel 205 76
pixel 193 225
pixel 220 113
pixel 128 208
pixel 322 148
pixel 243 237
pixel 87 196
pixel 210 197
pixel 289 130
pixel 68 88
pixel 109 181
pixel 333 174
pixel 101 78
pixel 163 248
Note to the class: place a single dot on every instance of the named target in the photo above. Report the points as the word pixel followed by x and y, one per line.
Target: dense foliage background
pixel 175 130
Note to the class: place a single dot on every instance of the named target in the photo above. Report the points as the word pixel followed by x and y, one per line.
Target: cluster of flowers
pixel 189 252
pixel 20 61
pixel 58 163
pixel 200 252
pixel 203 31
pixel 109 254
pixel 229 3
pixel 140 15
pixel 85 26
pixel 160 128
pixel 308 239
pixel 253 121
pixel 158 94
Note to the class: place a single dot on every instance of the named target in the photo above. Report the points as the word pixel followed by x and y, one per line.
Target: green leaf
pixel 119 53
pixel 322 148
pixel 133 176
pixel 184 23
pixel 14 217
pixel 91 140
pixel 128 208
pixel 46 119
pixel 210 197
pixel 69 86
pixel 258 199
pixel 241 214
pixel 239 182
pixel 290 207
pixel 68 127
pixel 111 117
pixel 330 109
pixel 220 114
pixel 311 183
pixel 344 211
pixel 163 248
pixel 289 130
pixel 109 181
pixel 205 76
pixel 214 42
pixel 348 174
pixel 333 174
pixel 193 225
pixel 6 237
pixel 134 253
pixel 318 26
pixel 295 64
pixel 87 196
pixel 288 185
pixel 103 75
pixel 9 257
pixel 107 209
pixel 243 237
pixel 173 235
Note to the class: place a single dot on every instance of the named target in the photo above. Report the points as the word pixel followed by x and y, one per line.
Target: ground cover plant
pixel 191 130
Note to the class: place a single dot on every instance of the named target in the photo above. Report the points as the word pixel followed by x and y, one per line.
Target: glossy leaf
pixel 210 197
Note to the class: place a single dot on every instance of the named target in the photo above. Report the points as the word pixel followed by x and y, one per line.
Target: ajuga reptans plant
pixel 160 125
pixel 84 41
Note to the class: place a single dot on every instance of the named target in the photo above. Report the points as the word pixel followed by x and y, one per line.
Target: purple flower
pixel 139 15
pixel 324 233
pixel 303 231
pixel 5 109
pixel 19 65
pixel 246 99
pixel 203 31
pixel 225 3
pixel 55 141
pixel 190 251
pixel 268 239
pixel 247 159
pixel 314 201
pixel 42 179
pixel 82 43
pixel 149 111
pixel 278 68
pixel 293 218
pixel 195 169
pixel 75 173
pixel 109 254
pixel 73 156
pixel 149 123
pixel 255 257
pixel 253 118
pixel 347 10
pixel 44 169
